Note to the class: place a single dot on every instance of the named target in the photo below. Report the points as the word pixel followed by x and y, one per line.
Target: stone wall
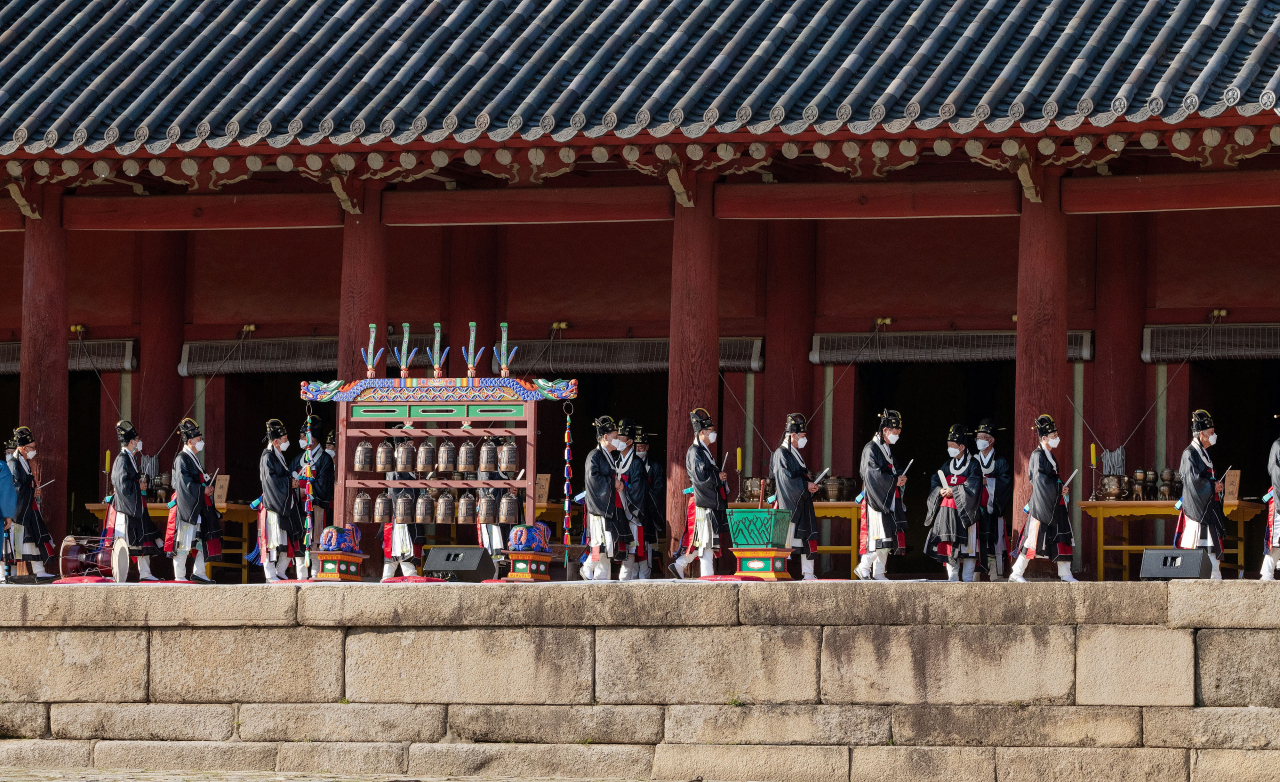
pixel 820 682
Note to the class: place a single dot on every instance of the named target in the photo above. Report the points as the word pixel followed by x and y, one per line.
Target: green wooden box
pixel 759 527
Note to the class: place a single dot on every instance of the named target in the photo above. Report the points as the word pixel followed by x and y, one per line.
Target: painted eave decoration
pixel 442 389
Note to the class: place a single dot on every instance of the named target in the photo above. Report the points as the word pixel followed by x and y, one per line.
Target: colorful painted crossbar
pixel 439 389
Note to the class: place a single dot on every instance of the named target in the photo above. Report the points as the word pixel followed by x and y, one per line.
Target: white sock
pixel 865 565
pixel 645 569
pixel 1217 571
pixel 882 559
pixel 953 572
pixel 180 566
pixel 1268 567
pixel 37 568
pixel 269 570
pixel 144 568
pixel 604 569
pixel 388 569
pixel 1064 571
pixel 282 566
pixel 806 568
pixel 707 563
pixel 200 569
pixel 968 568
pixel 588 570
pixel 1019 567
pixel 627 571
pixel 407 568
pixel 300 567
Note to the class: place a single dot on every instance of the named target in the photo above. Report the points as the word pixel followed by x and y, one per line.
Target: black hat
pixel 701 420
pixel 310 424
pixel 276 430
pixel 22 436
pixel 10 445
pixel 125 432
pixel 1201 420
pixel 627 429
pixel 331 438
pixel 604 425
pixel 796 423
pixel 188 430
pixel 958 433
pixel 986 426
pixel 642 437
pixel 1045 425
pixel 890 419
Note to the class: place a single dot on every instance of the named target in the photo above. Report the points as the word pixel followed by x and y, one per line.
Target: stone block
pixel 657 603
pixel 334 757
pixel 924 603
pixel 507 666
pixel 1234 668
pixel 1062 764
pixel 531 761
pixel 1212 728
pixel 707 665
pixel 1230 603
pixel 1120 665
pixel 248 664
pixel 1231 765
pixel 773 763
pixel 341 722
pixel 771 724
pixel 922 764
pixel 185 755
pixel 1007 725
pixel 961 664
pixel 148 605
pixel 557 724
pixel 45 754
pixel 142 721
pixel 74 665
pixel 23 720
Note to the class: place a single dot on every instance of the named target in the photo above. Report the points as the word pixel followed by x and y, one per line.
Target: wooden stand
pixel 339 565
pixel 528 566
pixel 768 564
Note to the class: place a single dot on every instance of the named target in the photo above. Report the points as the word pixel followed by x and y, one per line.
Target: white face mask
pixel 31 454
pixel 329 451
pixel 984 444
pixel 1213 439
pixel 643 454
pixel 891 438
pixel 617 444
pixel 198 445
pixel 711 438
pixel 283 445
pixel 302 444
pixel 953 452
pixel 1053 441
pixel 137 447
pixel 802 442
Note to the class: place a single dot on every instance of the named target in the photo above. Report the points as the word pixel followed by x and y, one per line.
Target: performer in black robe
pixel 401 543
pixel 193 521
pixel 883 520
pixel 795 492
pixel 28 534
pixel 321 484
pixel 997 499
pixel 631 471
pixel 130 519
pixel 280 528
pixel 653 514
pixel 708 523
pixel 1048 531
pixel 608 533
pixel 954 510
pixel 1201 523
pixel 1271 538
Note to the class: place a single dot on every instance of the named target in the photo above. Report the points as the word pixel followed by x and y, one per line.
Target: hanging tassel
pixel 568 485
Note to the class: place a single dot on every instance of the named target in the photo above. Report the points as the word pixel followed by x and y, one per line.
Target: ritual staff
pixel 30 538
pixel 193 522
pixel 795 492
pixel 280 528
pixel 883 525
pixel 707 524
pixel 997 498
pixel 954 509
pixel 1200 522
pixel 401 543
pixel 631 498
pixel 1047 532
pixel 8 510
pixel 606 533
pixel 129 518
pixel 653 515
pixel 321 482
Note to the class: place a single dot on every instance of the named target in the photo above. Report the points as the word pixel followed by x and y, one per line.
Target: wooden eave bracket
pixel 1011 155
pixel 522 167
pixel 1216 149
pixel 20 187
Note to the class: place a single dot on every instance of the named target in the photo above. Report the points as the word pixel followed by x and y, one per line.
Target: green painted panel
pixel 438 412
pixel 376 412
pixel 494 412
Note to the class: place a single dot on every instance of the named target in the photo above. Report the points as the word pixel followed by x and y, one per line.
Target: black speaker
pixel 1162 564
pixel 465 563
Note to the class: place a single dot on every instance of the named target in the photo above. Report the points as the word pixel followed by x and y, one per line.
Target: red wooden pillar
pixel 788 330
pixel 162 268
pixel 363 298
pixel 473 252
pixel 1043 375
pixel 1118 371
pixel 215 424
pixel 694 353
pixel 43 383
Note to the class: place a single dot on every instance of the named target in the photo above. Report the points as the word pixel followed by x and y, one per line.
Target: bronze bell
pixel 405 456
pixel 509 457
pixel 446 456
pixel 382 509
pixel 488 456
pixel 467 509
pixel 384 460
pixel 487 510
pixel 424 510
pixel 444 508
pixel 467 457
pixel 361 508
pixel 364 456
pixel 426 457
pixel 404 508
pixel 509 509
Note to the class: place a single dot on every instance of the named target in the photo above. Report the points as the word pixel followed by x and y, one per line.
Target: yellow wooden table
pixel 1126 510
pixel 832 510
pixel 234 546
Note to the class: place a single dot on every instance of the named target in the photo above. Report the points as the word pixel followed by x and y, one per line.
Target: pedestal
pixel 769 564
pixel 528 566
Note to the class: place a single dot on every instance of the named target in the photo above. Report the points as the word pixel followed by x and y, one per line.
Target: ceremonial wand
pixel 435 356
pixel 371 360
pixel 403 357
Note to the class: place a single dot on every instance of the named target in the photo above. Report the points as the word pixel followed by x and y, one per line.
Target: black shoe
pixel 673 571
pixel 46 578
pixel 201 579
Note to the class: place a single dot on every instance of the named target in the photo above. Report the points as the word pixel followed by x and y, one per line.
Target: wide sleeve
pixel 1197 486
pixel 1273 469
pixel 1044 486
pixel 599 484
pixel 879 479
pixel 1004 489
pixel 634 488
pixel 188 486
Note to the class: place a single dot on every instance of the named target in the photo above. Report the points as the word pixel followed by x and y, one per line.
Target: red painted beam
pixel 201 212
pixel 506 206
pixel 1171 192
pixel 853 200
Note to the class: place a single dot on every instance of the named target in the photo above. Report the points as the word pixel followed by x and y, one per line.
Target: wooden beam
pixel 201 212
pixel 10 217
pixel 1171 192
pixel 854 200
pixel 506 206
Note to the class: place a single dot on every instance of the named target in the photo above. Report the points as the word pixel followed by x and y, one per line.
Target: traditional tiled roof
pixel 96 74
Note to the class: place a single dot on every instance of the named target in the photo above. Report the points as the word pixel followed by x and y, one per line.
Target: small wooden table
pixel 832 510
pixel 1101 510
pixel 234 546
